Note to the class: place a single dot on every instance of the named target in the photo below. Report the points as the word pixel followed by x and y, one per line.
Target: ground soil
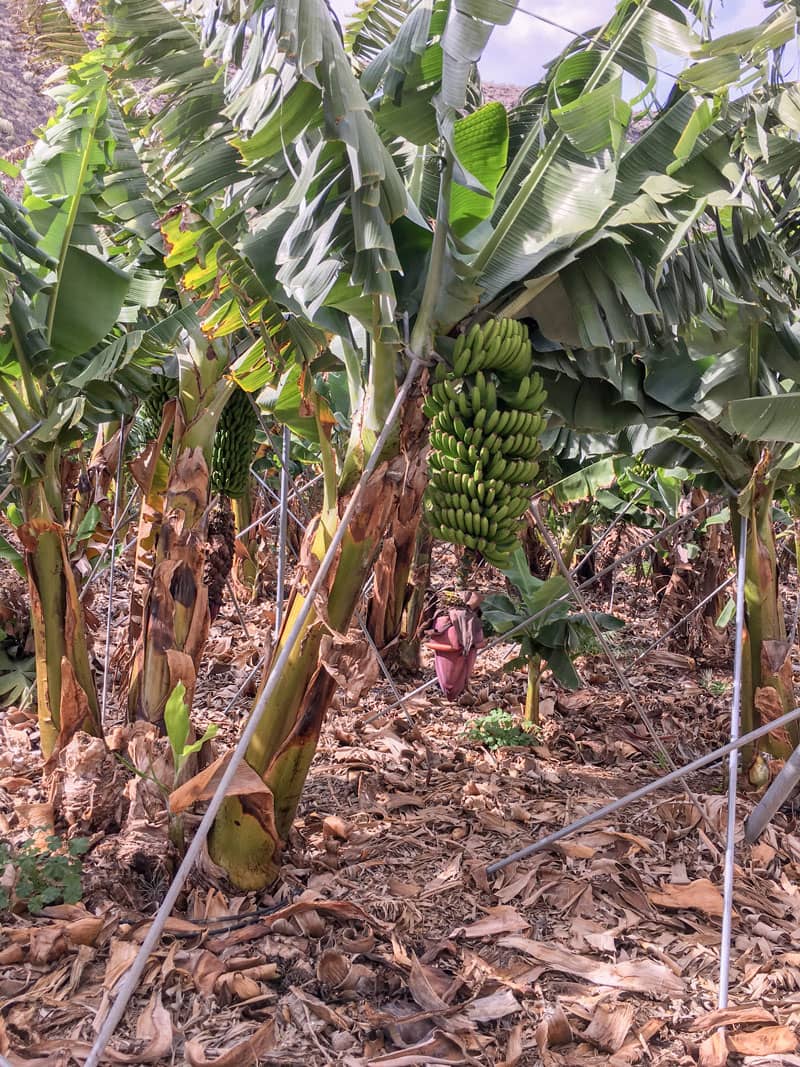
pixel 393 946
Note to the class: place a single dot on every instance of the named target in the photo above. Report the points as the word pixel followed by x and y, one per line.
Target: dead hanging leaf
pixel 246 782
pixel 713 1051
pixel 74 711
pixel 609 1026
pixel 634 976
pixel 495 1006
pixel 352 664
pixel 438 1048
pixel 245 1054
pixel 766 1041
pixel 502 919
pixel 740 1016
pixel 154 1026
pixel 699 895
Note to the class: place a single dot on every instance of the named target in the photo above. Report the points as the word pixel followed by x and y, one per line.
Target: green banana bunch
pixel 234 445
pixel 486 419
pixel 152 408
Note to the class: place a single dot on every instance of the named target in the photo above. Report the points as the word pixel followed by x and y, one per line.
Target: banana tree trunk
pixel 250 830
pixel 767 683
pixel 175 617
pixel 409 645
pixel 393 567
pixel 175 612
pixel 66 694
pixel 245 564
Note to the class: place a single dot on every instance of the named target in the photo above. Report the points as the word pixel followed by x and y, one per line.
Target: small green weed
pixel 49 875
pixel 714 686
pixel 499 729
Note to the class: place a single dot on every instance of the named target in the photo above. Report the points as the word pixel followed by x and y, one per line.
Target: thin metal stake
pixel 280 584
pixel 612 659
pixel 644 791
pixel 111 572
pixel 733 768
pixel 237 607
pixel 133 977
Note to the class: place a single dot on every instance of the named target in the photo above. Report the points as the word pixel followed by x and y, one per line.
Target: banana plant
pixel 550 640
pixel 65 364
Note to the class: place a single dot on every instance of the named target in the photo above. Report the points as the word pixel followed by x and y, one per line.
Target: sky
pixel 516 52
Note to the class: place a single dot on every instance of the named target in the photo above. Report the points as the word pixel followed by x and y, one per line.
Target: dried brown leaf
pixel 426 985
pixel 736 1016
pixel 609 1026
pixel 713 1051
pixel 699 895
pixel 502 919
pixel 513 1053
pixel 244 1054
pixel 154 1027
pixel 634 976
pixel 553 1030
pixel 436 1049
pixel 332 968
pixel 763 1042
pixel 496 1005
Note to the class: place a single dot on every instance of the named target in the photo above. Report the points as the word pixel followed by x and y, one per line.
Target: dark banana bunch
pixel 234 445
pixel 485 424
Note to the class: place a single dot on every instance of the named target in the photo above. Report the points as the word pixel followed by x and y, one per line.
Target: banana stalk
pixel 66 694
pixel 767 683
pixel 175 610
pixel 532 691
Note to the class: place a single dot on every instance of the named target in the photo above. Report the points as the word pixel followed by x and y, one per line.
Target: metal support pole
pixel 282 529
pixel 131 981
pixel 111 572
pixel 733 768
pixel 644 791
